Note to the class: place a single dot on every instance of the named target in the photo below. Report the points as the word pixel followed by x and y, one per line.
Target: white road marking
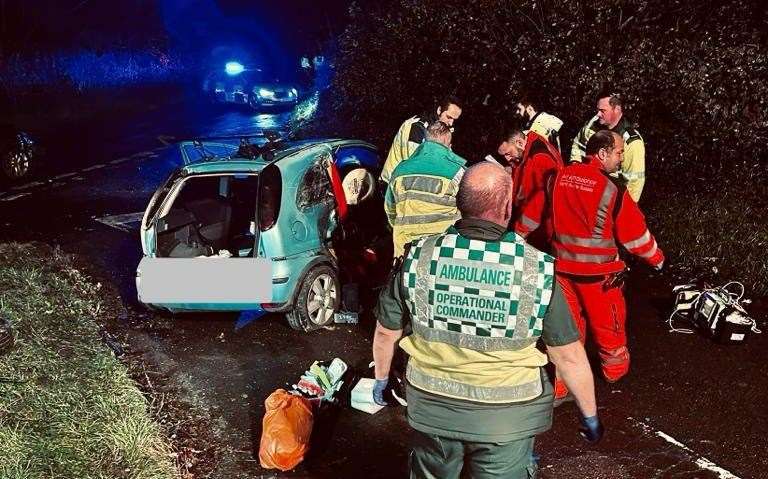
pixel 27 185
pixel 701 461
pixel 65 175
pixel 165 139
pixel 14 197
pixel 74 176
pixel 122 222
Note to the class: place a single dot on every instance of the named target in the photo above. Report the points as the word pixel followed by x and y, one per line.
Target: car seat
pixel 214 217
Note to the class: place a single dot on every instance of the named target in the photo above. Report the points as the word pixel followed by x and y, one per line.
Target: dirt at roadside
pixel 188 424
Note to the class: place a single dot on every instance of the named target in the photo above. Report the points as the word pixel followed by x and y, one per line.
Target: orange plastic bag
pixel 285 431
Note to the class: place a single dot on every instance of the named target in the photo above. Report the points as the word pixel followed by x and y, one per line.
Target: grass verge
pixel 717 232
pixel 68 408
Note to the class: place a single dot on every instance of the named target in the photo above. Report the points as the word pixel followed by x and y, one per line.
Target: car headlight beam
pixel 265 93
pixel 234 68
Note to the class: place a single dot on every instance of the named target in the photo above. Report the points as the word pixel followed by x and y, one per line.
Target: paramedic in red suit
pixel 535 162
pixel 592 215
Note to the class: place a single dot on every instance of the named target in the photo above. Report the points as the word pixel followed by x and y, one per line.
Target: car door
pixel 199 281
pixel 148 231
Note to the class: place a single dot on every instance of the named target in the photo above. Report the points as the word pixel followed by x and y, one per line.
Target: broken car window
pixel 315 186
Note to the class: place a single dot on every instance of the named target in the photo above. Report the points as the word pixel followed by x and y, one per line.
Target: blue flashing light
pixel 264 93
pixel 234 68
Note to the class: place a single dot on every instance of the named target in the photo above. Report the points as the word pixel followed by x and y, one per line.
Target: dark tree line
pixel 694 71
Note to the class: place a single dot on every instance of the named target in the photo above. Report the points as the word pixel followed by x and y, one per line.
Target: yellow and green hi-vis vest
pixel 477 309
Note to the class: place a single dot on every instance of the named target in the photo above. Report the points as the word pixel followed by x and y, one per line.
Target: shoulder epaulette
pixel 628 131
pixel 418 131
pixel 630 135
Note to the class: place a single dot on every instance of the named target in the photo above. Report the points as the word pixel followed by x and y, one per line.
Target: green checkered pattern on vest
pixel 485 289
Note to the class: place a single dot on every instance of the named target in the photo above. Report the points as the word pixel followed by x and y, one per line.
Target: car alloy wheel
pixel 317 301
pixel 16 163
pixel 321 303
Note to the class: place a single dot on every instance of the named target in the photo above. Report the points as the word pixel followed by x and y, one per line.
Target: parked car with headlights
pixel 236 84
pixel 306 206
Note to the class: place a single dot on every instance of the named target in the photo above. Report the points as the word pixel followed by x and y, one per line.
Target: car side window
pixel 315 188
pixel 354 156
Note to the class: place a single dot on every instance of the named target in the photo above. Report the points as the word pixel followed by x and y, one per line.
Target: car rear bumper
pixel 287 274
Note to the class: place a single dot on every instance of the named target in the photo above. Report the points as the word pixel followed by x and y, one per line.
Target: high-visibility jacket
pixel 411 134
pixel 421 197
pixel 633 166
pixel 547 126
pixel 477 309
pixel 591 216
pixel 540 162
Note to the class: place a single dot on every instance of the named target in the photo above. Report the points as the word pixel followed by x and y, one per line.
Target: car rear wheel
pixel 318 300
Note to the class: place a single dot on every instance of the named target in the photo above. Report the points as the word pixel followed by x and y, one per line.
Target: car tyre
pixel 317 301
pixel 17 162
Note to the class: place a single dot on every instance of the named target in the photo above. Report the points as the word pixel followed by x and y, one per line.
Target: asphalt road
pixel 689 409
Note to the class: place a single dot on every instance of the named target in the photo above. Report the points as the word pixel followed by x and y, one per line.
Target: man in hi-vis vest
pixel 478 298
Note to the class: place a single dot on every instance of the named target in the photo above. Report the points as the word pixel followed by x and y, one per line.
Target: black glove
pixel 591 429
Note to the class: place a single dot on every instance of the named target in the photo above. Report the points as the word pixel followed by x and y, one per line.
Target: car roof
pixel 285 158
pixel 225 166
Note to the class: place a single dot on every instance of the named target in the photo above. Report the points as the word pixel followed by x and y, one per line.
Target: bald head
pixel 485 192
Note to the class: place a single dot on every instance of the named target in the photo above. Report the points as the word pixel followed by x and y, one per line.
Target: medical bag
pixel 715 311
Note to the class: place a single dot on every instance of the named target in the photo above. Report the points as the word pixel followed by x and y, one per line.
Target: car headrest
pixel 358 185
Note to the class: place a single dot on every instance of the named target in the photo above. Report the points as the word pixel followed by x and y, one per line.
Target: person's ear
pixel 439 111
pixel 509 206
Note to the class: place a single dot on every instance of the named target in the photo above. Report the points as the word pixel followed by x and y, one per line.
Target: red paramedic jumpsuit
pixel 541 161
pixel 591 216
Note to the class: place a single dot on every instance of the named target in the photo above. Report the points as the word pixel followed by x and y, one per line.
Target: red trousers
pixel 601 308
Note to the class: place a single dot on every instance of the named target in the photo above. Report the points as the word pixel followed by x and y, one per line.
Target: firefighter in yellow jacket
pixel 610 115
pixel 413 132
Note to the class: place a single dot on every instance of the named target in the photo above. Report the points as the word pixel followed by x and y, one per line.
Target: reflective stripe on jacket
pixel 421 197
pixel 473 304
pixel 591 215
pixel 540 162
pixel 410 135
pixel 633 166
